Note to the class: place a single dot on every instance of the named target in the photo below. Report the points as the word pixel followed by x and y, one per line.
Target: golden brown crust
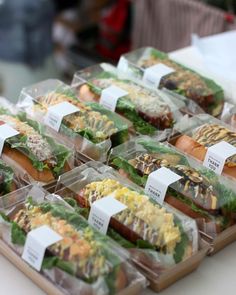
pixel 85 94
pixel 42 176
pixel 193 148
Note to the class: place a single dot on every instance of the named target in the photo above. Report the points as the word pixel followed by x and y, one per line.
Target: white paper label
pixel 6 131
pixel 110 96
pixel 57 112
pixel 152 75
pixel 102 211
pixel 217 154
pixel 158 182
pixel 36 244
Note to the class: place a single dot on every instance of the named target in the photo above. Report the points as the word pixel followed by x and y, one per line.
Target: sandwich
pixel 205 92
pixel 205 136
pixel 92 122
pixel 143 225
pixel 33 150
pixel 146 109
pixel 82 253
pixel 199 193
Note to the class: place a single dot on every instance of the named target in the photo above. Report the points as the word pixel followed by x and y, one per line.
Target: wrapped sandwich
pixel 147 109
pixel 175 77
pixel 92 128
pixel 202 132
pixel 157 237
pixel 200 193
pixel 82 261
pixel 32 150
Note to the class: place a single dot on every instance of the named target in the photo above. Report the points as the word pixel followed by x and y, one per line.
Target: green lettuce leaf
pixel 180 248
pixel 18 236
pixel 119 239
pixel 61 153
pixel 122 134
pixel 155 147
pixel 8 174
pixel 126 107
pixel 226 196
pixel 121 163
pixel 49 262
pixel 218 94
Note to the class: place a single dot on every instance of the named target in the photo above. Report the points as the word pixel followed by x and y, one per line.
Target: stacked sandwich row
pixel 124 167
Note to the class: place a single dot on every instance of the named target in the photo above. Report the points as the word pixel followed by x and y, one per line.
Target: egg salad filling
pixel 147 219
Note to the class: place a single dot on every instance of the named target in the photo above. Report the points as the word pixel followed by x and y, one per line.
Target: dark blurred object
pixel 114 30
pixel 25 31
pixel 102 33
pixel 227 5
pixel 109 36
pixel 61 5
pixel 168 25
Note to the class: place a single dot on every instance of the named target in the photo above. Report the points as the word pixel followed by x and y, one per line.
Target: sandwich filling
pixel 147 219
pixel 77 246
pixel 96 126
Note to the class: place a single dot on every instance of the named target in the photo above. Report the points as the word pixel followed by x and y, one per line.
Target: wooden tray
pixel 181 269
pixel 46 285
pixel 222 240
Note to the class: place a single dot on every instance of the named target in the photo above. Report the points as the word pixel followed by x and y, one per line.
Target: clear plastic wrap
pixel 229 115
pixel 33 153
pixel 201 194
pixel 92 129
pixel 195 135
pixel 9 180
pixel 179 79
pixel 158 238
pixel 148 110
pixel 84 261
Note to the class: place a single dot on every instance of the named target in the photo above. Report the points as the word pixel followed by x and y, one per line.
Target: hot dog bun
pixel 85 94
pixel 198 151
pixel 45 175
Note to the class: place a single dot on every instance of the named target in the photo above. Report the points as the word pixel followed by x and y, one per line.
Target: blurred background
pixel 54 38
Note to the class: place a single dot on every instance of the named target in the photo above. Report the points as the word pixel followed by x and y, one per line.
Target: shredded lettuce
pixel 19 142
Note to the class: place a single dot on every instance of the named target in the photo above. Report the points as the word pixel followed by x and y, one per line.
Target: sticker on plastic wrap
pixel 217 154
pixel 6 132
pixel 57 112
pixel 158 183
pixel 153 75
pixel 36 244
pixel 102 211
pixel 110 96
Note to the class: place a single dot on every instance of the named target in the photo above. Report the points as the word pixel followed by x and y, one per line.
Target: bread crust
pixel 189 146
pixel 45 175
